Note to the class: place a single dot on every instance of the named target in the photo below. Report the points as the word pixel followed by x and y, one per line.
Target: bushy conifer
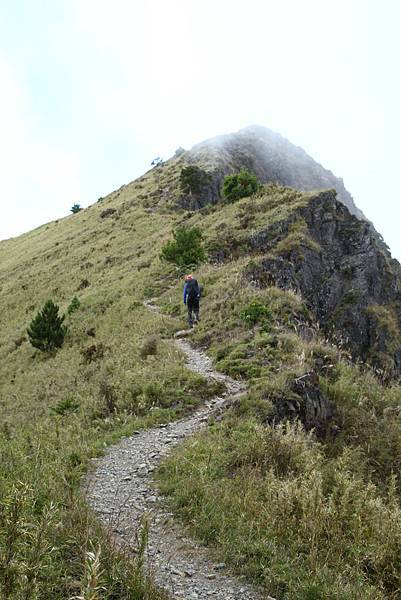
pixel 47 332
pixel 240 185
pixel 186 249
pixel 193 179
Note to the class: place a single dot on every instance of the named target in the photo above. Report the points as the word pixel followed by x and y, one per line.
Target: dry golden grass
pixel 55 413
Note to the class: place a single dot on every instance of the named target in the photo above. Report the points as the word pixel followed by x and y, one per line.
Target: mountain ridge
pixel 299 469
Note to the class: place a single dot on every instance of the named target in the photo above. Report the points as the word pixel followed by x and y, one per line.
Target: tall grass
pixel 305 518
pixel 280 512
pixel 50 545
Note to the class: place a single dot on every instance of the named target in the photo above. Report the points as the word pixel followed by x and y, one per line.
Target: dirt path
pixel 121 491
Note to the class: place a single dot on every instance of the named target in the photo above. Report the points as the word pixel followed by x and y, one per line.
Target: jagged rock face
pixel 326 250
pixel 270 156
pixel 344 272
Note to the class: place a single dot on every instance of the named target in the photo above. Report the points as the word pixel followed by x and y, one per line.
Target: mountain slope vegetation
pixel 296 486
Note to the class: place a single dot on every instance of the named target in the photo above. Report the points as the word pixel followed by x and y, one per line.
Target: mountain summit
pixel 271 157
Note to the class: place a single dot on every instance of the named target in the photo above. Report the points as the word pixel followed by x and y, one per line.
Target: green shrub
pixel 64 406
pixel 256 312
pixel 186 249
pixel 75 208
pixel 74 305
pixel 193 179
pixel 47 332
pixel 240 185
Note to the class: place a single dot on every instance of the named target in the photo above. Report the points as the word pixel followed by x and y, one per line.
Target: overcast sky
pixel 91 91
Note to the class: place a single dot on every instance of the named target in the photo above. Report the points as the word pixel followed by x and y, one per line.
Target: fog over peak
pixel 272 158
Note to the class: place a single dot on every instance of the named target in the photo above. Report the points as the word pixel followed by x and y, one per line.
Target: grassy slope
pixel 118 389
pixel 44 453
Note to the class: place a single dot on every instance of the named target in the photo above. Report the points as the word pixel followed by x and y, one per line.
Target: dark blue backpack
pixel 192 289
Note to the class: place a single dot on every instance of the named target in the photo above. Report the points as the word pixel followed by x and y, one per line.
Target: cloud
pixel 92 91
pixel 36 176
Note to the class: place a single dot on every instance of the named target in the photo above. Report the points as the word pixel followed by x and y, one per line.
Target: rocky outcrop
pixel 305 401
pixel 269 155
pixel 325 249
pixel 343 270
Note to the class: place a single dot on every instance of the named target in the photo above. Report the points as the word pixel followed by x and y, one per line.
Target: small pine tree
pixel 46 332
pixel 74 305
pixel 240 185
pixel 186 249
pixel 75 208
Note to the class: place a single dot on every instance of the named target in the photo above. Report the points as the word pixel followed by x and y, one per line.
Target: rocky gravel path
pixel 121 491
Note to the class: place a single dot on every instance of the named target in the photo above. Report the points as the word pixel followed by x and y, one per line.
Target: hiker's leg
pixel 190 320
pixel 196 310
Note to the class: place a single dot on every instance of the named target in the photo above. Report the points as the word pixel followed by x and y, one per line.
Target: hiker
pixel 192 293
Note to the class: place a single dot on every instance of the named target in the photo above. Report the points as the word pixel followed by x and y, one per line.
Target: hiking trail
pixel 121 490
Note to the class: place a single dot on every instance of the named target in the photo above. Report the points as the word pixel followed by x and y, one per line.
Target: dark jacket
pixel 192 283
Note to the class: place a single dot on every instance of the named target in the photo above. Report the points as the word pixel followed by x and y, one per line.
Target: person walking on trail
pixel 192 292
